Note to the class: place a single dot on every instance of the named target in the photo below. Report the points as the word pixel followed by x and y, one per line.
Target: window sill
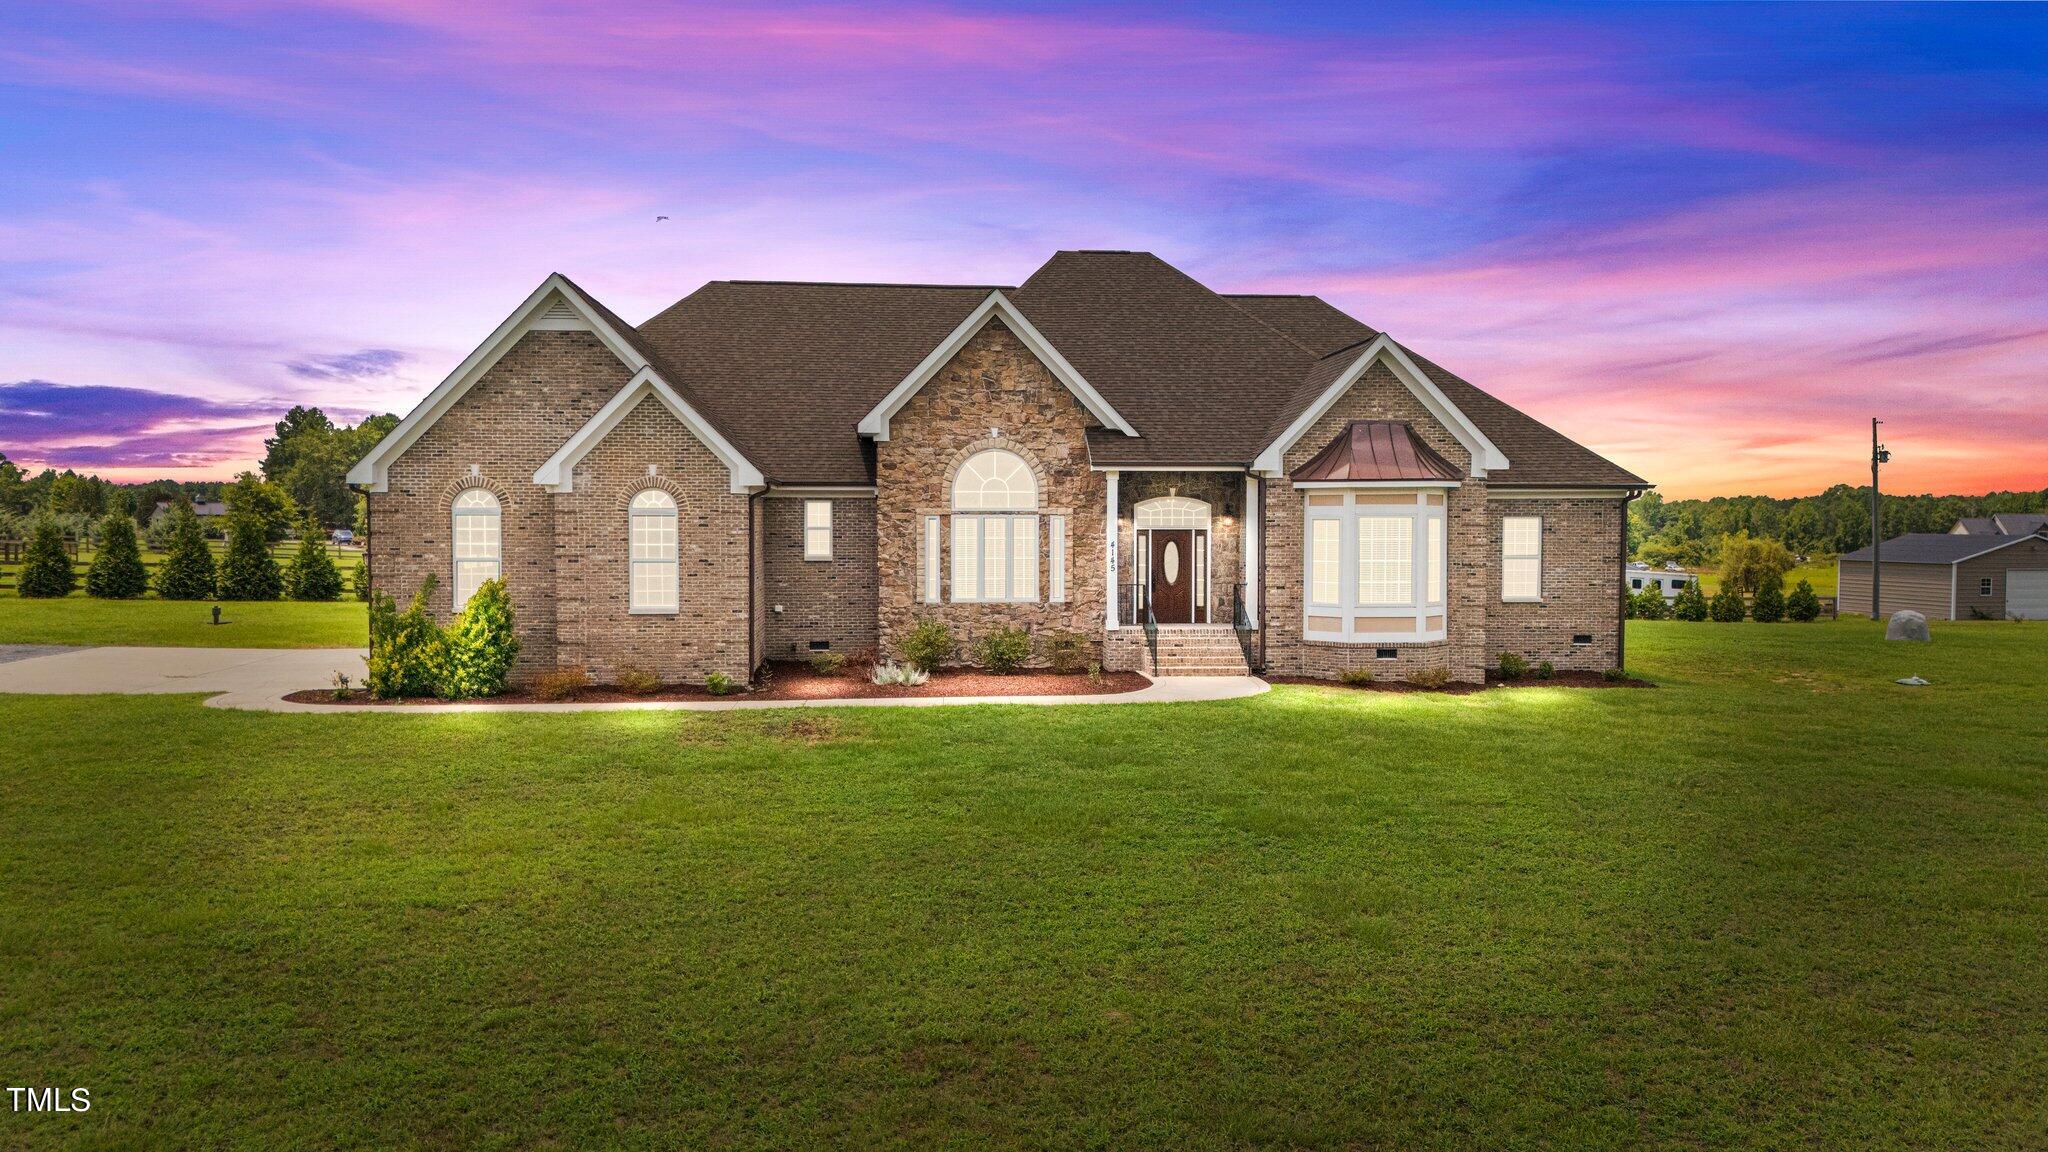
pixel 1521 599
pixel 653 611
pixel 817 559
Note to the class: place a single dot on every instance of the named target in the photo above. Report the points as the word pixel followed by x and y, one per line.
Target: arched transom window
pixel 652 525
pixel 479 543
pixel 995 529
pixel 1172 512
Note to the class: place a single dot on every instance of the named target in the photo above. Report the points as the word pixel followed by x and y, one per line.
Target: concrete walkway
pixel 258 678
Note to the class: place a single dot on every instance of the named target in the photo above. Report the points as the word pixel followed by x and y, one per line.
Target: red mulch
pixel 798 682
pixel 1493 680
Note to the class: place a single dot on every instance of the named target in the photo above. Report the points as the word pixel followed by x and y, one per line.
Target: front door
pixel 1173 575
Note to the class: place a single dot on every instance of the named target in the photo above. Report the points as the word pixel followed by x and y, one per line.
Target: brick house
pixel 1186 481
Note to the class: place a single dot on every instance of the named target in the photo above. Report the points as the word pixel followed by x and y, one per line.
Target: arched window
pixel 479 543
pixel 653 544
pixel 1172 512
pixel 995 529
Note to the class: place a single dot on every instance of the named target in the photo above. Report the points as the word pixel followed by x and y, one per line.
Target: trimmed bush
pixel 117 572
pixel 1356 677
pixel 1545 670
pixel 407 650
pixel 1004 650
pixel 1769 605
pixel 187 572
pixel 1803 605
pixel 1067 652
pixel 46 570
pixel 312 575
pixel 247 572
pixel 359 579
pixel 1727 607
pixel 1691 603
pixel 1430 677
pixel 1614 675
pixel 1512 667
pixel 929 645
pixel 561 683
pixel 480 646
pixel 638 681
pixel 1649 604
pixel 717 683
pixel 827 663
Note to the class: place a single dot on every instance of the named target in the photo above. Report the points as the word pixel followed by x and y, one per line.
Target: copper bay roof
pixel 1376 450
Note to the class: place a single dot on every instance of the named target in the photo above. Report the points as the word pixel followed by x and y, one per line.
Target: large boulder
pixel 1907 626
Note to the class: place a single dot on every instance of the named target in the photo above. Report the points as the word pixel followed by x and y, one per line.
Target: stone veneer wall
pixel 829 600
pixel 993 394
pixel 506 426
pixel 1223 492
pixel 1470 571
pixel 1581 585
pixel 596 630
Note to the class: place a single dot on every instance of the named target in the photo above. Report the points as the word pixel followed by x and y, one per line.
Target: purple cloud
pixel 94 426
pixel 369 364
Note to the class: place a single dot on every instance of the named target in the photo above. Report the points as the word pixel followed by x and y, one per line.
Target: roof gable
pixel 558 474
pixel 1335 375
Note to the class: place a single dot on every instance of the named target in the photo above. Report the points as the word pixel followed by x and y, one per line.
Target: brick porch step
pixel 1195 650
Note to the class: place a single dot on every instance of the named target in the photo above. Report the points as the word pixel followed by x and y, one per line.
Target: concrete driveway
pixel 235 677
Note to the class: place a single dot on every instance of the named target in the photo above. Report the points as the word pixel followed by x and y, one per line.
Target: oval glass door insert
pixel 1171 562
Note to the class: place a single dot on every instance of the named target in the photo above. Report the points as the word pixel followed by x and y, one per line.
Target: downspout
pixel 1621 590
pixel 753 510
pixel 1264 545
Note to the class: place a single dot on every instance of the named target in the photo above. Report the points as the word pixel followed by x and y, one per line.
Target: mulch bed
pixel 798 682
pixel 1493 680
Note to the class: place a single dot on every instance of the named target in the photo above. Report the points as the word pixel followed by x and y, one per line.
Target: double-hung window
pixel 1374 565
pixel 652 528
pixel 817 529
pixel 995 530
pixel 479 543
pixel 1521 559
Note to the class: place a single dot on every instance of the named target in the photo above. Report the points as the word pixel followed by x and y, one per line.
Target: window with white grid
pixel 1436 559
pixel 995 530
pixel 1375 565
pixel 817 529
pixel 479 543
pixel 1326 561
pixel 1386 560
pixel 653 557
pixel 1521 558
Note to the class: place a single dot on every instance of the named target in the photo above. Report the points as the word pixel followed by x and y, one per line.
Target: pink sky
pixel 1709 254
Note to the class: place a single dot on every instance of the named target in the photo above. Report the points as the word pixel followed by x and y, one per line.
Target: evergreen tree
pixel 312 576
pixel 187 571
pixel 481 646
pixel 1649 605
pixel 1768 606
pixel 248 572
pixel 407 652
pixel 1691 603
pixel 46 572
pixel 1803 605
pixel 117 572
pixel 1727 607
pixel 359 580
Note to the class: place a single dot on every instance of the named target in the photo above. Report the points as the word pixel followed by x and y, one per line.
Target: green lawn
pixel 1776 902
pixel 180 623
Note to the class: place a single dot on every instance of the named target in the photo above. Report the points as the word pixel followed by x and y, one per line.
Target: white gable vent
pixel 559 316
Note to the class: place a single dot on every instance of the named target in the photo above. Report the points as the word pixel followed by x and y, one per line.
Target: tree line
pixel 1690 532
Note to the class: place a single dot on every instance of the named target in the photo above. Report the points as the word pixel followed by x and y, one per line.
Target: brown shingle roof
pixel 787 369
pixel 1376 450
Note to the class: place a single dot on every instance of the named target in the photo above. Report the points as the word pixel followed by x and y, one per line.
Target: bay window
pixel 1374 565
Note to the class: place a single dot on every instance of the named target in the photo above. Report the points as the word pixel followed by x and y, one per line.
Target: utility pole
pixel 1878 455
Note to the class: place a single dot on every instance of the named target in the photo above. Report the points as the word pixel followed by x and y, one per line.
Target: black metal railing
pixel 1247 631
pixel 1135 609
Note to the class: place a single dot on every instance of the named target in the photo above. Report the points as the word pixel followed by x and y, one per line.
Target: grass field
pixel 1822 576
pixel 184 623
pixel 1777 901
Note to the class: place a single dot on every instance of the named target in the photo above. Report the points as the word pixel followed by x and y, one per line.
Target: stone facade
pixel 993 394
pixel 819 601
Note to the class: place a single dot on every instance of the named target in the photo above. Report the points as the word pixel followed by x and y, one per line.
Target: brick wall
pixel 1581 589
pixel 829 600
pixel 994 383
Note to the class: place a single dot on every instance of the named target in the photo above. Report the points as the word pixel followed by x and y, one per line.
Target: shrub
pixel 1512 667
pixel 1614 675
pixel 406 649
pixel 717 683
pixel 561 683
pixel 117 572
pixel 1648 604
pixel 247 572
pixel 1545 670
pixel 1430 677
pixel 638 681
pixel 187 572
pixel 1727 607
pixel 1356 677
pixel 1067 652
pixel 46 571
pixel 1769 605
pixel 359 579
pixel 1803 605
pixel 312 575
pixel 889 672
pixel 480 646
pixel 1003 650
pixel 341 689
pixel 1749 563
pixel 1095 672
pixel 827 663
pixel 929 645
pixel 1691 603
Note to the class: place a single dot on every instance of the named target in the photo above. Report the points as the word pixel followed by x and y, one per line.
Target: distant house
pixel 2002 524
pixel 1953 576
pixel 204 509
pixel 1670 580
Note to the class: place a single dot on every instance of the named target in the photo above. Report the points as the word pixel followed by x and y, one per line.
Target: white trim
pixel 1504 558
pixel 1347 607
pixel 876 422
pixel 1493 493
pixel 1165 468
pixel 812 491
pixel 1248 536
pixel 1979 555
pixel 1109 553
pixel 1404 485
pixel 1955 572
pixel 1485 457
pixel 559 473
pixel 828 527
pixel 374 470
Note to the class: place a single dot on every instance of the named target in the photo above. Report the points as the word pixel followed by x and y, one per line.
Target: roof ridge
pixel 871 284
